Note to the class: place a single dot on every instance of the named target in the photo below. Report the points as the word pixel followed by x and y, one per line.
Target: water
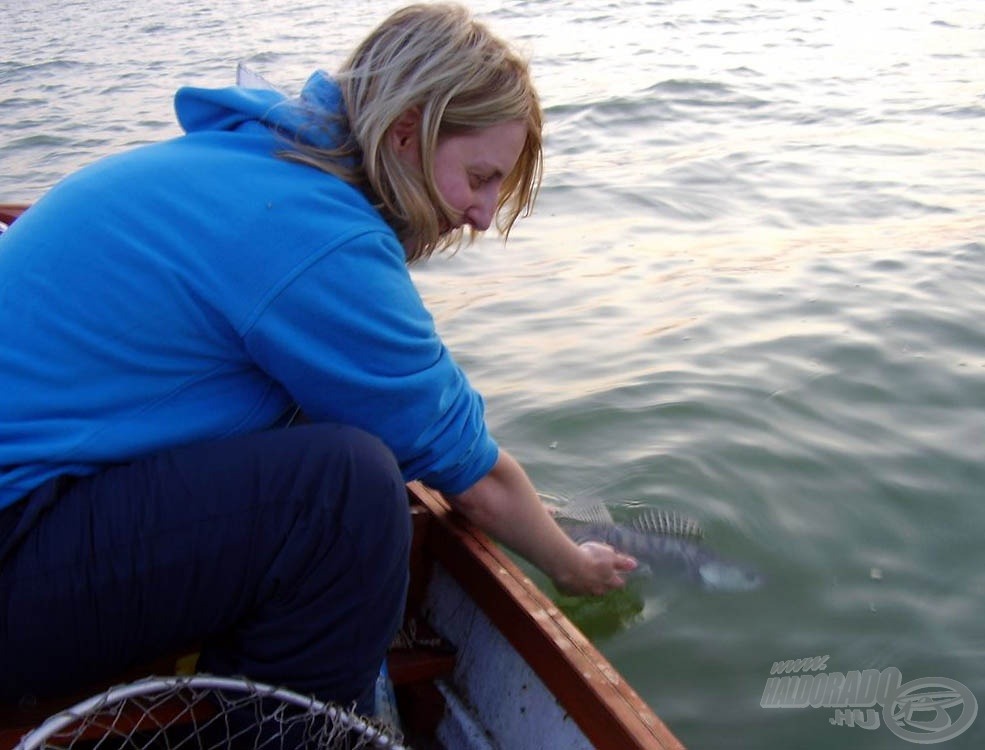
pixel 752 292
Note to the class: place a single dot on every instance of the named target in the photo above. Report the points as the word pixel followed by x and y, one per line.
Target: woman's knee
pixel 359 482
pixel 369 455
pixel 381 488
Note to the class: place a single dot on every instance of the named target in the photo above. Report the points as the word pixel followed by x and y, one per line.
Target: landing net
pixel 202 712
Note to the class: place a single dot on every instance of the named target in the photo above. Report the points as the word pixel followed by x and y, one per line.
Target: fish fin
pixel 597 514
pixel 581 512
pixel 668 523
pixel 555 502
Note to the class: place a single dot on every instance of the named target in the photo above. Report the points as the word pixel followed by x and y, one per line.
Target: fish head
pixel 721 575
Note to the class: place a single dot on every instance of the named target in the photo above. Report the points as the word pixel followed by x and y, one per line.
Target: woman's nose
pixel 480 214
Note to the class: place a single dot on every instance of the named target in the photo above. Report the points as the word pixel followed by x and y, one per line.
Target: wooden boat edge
pixel 10 211
pixel 606 708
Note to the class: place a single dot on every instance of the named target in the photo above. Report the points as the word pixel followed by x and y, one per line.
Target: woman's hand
pixel 505 505
pixel 602 570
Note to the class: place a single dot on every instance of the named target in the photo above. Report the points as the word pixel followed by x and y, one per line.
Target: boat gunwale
pixel 10 211
pixel 606 708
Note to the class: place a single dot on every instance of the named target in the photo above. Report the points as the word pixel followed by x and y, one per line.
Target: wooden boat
pixel 10 211
pixel 493 664
pixel 524 675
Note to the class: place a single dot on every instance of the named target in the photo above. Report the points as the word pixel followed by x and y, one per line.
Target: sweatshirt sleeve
pixel 349 337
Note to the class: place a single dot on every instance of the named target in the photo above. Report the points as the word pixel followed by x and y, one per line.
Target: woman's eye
pixel 478 180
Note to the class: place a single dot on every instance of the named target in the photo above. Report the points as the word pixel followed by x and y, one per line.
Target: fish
pixel 664 542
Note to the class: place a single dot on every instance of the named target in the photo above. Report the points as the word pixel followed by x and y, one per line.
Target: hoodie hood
pixel 313 118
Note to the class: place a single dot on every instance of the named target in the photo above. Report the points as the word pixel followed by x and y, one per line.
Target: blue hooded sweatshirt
pixel 200 287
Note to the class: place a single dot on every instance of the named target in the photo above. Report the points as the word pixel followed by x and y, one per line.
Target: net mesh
pixel 200 712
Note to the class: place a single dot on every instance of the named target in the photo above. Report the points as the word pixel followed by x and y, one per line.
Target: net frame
pixel 139 715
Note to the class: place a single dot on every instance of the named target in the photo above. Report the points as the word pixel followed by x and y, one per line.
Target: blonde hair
pixel 460 77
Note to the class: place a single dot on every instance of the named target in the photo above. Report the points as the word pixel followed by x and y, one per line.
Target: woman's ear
pixel 405 135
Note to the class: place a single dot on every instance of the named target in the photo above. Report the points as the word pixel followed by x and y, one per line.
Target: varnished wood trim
pixel 10 211
pixel 604 706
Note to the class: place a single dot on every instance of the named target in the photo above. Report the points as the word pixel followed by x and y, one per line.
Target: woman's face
pixel 469 169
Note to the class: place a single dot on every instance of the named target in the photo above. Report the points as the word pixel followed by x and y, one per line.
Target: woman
pixel 164 310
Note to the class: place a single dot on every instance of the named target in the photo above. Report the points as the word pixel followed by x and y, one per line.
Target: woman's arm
pixel 505 504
